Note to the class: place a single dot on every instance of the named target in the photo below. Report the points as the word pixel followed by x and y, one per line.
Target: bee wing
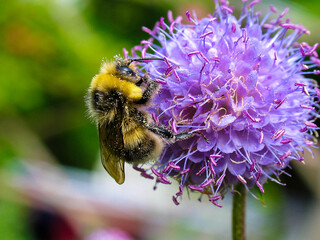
pixel 111 146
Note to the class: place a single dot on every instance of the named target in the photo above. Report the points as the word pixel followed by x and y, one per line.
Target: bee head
pixel 126 71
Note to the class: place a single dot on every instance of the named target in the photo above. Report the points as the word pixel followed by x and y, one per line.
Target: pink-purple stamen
pixel 260 187
pixel 278 134
pixel 241 179
pixel 163 180
pixel 174 166
pixel 300 84
pixel 273 9
pixel 252 166
pixel 169 69
pixel 172 25
pixel 211 167
pixel 313 49
pixel 188 16
pixel 315 60
pixel 284 12
pixel 233 27
pixel 212 160
pixel 179 194
pixel 166 61
pixel 310 124
pixel 285 155
pixel 174 199
pixel 162 24
pixel 215 198
pixel 302 50
pixel 147 30
pixel 125 53
pixel 309 143
pixel 286 141
pixel 138 168
pixel 170 17
pixel 318 92
pixel 254 2
pixel 244 34
pixel 207 183
pixel 306 107
pixel 261 137
pixel 203 66
pixel 161 81
pixel 185 171
pixel 176 75
pixel 191 97
pixel 288 25
pixel 178 19
pixel 155 172
pixel 144 51
pixel 193 53
pixel 258 174
pixel 220 179
pixel 206 34
pixel 216 204
pixel 146 42
pixel 195 188
pixel 204 57
pixel 303 129
pixel 305 91
pixel 227 8
pixel 201 171
pixel 174 126
pixel 280 103
pixel 167 168
pixel 255 120
pixel 146 175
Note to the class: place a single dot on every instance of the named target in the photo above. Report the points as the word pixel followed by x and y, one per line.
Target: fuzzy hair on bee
pixel 115 100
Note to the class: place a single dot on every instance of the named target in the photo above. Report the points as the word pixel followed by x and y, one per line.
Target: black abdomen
pixel 141 152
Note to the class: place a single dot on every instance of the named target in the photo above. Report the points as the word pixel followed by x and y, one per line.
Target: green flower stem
pixel 239 212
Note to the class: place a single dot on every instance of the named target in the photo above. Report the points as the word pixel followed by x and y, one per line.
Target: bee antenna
pixel 144 59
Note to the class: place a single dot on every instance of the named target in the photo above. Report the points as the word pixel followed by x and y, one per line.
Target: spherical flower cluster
pixel 241 83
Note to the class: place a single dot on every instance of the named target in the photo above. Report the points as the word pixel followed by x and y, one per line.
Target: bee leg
pixel 183 135
pixel 139 83
pixel 151 88
pixel 143 79
pixel 165 133
pixel 186 134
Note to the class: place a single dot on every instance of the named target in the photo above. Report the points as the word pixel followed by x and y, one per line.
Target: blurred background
pixel 52 185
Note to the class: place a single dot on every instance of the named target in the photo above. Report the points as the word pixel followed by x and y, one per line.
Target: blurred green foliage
pixel 11 227
pixel 49 51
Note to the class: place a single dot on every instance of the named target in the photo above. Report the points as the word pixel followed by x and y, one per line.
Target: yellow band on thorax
pixel 106 82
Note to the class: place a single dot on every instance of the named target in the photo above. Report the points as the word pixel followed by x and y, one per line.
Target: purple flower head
pixel 240 82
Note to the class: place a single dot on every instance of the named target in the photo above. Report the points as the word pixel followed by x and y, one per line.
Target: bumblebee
pixel 115 98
